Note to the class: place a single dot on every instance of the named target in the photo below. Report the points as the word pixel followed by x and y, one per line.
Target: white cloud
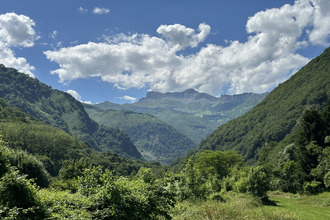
pixel 268 57
pixel 321 22
pixel 101 11
pixel 16 31
pixel 76 95
pixel 182 36
pixel 128 98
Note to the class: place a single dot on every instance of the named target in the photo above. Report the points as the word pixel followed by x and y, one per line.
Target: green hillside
pixel 195 114
pixel 53 146
pixel 155 140
pixel 61 110
pixel 276 116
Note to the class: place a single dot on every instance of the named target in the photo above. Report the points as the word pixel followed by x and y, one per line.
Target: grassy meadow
pixel 242 206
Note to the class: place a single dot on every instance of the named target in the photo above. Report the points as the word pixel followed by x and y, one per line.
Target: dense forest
pixel 277 152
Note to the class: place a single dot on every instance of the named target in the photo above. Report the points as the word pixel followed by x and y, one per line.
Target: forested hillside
pixel 52 145
pixel 61 110
pixel 154 139
pixel 277 115
pixel 194 114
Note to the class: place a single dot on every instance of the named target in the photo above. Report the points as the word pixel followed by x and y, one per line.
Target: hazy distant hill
pixel 194 114
pixel 276 116
pixel 61 110
pixel 155 140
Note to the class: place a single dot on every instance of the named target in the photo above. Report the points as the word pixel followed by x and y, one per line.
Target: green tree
pixel 217 162
pixel 19 198
pixel 118 198
pixel 258 181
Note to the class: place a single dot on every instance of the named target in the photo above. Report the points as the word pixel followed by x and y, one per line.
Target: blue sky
pixel 117 50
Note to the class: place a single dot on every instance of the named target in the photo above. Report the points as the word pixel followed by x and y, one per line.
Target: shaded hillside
pixel 61 110
pixel 53 146
pixel 194 114
pixel 155 140
pixel 276 116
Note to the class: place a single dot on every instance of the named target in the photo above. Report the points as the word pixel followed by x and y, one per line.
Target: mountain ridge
pixel 195 114
pixel 61 110
pixel 195 96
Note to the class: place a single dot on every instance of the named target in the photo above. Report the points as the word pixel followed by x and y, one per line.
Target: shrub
pixel 18 197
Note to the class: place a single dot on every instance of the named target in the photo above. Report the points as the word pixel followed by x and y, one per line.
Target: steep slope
pixel 194 114
pixel 276 116
pixel 61 110
pixel 155 140
pixel 22 131
pixel 53 146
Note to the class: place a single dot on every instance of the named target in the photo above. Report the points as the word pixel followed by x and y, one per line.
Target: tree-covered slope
pixel 276 116
pixel 194 114
pixel 61 110
pixel 53 146
pixel 155 140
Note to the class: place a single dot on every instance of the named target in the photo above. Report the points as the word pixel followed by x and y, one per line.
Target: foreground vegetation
pixel 63 178
pixel 225 188
pixel 242 206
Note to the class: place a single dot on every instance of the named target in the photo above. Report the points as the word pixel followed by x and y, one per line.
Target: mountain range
pixel 195 114
pixel 162 125
pixel 134 134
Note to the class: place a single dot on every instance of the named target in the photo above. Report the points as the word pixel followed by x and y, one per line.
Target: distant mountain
pixel 194 114
pixel 274 118
pixel 155 140
pixel 61 110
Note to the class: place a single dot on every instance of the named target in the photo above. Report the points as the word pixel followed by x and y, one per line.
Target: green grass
pixel 240 206
pixel 305 207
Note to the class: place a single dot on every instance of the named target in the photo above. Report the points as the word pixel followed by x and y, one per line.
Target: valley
pixel 62 158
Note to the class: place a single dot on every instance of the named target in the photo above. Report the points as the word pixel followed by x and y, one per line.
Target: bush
pixel 313 187
pixel 65 205
pixel 118 198
pixel 258 182
pixel 31 166
pixel 18 197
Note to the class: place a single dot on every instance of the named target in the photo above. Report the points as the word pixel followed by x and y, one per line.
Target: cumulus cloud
pixel 182 36
pixel 16 31
pixel 268 57
pixel 101 11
